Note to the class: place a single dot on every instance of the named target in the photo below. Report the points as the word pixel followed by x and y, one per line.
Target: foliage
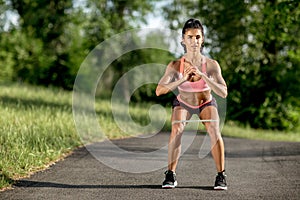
pixel 56 36
pixel 256 44
pixel 46 21
pixel 109 17
pixel 22 58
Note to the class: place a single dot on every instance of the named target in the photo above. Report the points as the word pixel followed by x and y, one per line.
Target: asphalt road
pixel 255 170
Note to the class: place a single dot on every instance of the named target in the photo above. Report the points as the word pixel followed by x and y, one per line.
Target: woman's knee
pixel 213 131
pixel 177 129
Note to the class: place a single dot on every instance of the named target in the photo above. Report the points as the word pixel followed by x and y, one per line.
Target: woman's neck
pixel 193 57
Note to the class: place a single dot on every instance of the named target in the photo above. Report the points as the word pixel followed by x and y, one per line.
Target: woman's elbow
pixel 224 94
pixel 159 91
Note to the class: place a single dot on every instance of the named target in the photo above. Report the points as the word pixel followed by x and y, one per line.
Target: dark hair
pixel 193 23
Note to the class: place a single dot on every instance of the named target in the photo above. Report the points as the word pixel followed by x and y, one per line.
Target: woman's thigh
pixel 211 113
pixel 180 113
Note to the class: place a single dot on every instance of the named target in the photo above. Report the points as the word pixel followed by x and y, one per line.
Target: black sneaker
pixel 170 180
pixel 220 183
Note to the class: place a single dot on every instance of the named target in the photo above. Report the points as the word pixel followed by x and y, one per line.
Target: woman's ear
pixel 183 45
pixel 182 41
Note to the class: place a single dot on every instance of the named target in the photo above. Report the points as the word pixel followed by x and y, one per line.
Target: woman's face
pixel 192 40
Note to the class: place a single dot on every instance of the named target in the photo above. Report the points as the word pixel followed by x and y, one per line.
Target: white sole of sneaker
pixel 220 188
pixel 170 186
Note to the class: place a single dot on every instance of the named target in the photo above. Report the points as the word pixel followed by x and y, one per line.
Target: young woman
pixel 195 76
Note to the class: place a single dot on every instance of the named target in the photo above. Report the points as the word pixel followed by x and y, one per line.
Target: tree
pixel 109 17
pixel 64 33
pixel 45 22
pixel 256 46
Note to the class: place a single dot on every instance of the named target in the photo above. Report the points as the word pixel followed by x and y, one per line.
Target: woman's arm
pixel 169 81
pixel 214 78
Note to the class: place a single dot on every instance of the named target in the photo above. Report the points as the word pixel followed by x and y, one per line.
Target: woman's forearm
pixel 166 88
pixel 218 88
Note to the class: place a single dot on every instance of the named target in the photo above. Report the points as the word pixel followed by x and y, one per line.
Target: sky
pixel 155 20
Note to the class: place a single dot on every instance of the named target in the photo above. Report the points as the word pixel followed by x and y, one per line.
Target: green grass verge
pixel 37 128
pixel 232 130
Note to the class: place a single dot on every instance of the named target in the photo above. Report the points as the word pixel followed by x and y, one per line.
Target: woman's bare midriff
pixel 195 98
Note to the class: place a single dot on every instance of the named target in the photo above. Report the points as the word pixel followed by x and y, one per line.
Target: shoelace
pixel 221 178
pixel 170 175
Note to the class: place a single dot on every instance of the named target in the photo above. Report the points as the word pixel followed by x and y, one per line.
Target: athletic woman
pixel 195 76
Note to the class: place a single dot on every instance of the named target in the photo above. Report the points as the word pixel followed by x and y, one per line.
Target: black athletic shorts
pixel 192 110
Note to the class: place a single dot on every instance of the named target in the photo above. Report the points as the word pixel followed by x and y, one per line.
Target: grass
pixel 37 128
pixel 232 130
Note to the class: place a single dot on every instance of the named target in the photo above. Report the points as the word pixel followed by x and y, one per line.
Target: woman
pixel 195 76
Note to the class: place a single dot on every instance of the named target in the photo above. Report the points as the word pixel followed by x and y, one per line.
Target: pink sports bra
pixel 197 86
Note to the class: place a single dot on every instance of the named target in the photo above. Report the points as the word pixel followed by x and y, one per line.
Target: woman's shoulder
pixel 177 61
pixel 175 64
pixel 211 62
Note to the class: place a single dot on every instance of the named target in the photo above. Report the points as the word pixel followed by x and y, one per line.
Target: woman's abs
pixel 195 98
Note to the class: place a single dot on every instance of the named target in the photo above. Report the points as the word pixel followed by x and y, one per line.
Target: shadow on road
pixel 26 183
